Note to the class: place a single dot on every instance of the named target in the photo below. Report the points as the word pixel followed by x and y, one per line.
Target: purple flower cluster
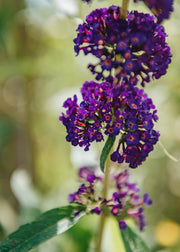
pixel 124 202
pixel 122 110
pixel 134 49
pixel 161 8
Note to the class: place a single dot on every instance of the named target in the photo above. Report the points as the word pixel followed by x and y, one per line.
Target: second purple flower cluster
pixel 124 111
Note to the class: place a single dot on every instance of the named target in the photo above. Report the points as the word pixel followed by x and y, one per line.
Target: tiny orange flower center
pixel 131 138
pixel 129 65
pixel 107 62
pixel 100 42
pixel 121 44
pixel 110 130
pixel 127 55
pixel 135 40
pixel 134 105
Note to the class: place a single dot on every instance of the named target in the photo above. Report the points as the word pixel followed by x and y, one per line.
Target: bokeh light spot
pixel 167 233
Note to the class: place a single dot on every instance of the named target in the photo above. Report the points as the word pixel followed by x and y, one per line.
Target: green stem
pixel 104 195
pixel 124 8
pixel 106 177
pixel 100 234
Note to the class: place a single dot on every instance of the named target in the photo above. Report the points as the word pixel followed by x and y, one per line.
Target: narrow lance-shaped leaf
pixel 105 151
pixel 49 224
pixel 133 242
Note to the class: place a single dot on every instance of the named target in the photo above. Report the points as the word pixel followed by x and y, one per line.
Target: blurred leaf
pixel 133 242
pixel 4 17
pixel 105 151
pixel 49 224
pixel 2 232
pixel 6 129
pixel 8 9
pixel 2 41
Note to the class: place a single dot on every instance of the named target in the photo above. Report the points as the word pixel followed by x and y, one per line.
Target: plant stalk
pixel 124 8
pixel 104 195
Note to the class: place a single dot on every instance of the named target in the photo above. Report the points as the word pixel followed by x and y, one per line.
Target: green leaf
pixel 49 224
pixel 133 242
pixel 105 151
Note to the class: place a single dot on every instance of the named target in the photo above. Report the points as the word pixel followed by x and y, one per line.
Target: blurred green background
pixel 38 168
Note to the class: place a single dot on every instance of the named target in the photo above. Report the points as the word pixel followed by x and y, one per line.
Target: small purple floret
pixel 96 210
pixel 122 224
pixel 147 200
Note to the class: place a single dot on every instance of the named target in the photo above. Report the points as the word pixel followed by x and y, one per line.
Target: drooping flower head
pixel 134 48
pixel 160 8
pixel 123 111
pixel 125 201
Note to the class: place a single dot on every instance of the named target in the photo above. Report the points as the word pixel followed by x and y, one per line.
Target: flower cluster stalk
pixel 104 195
pixel 124 8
